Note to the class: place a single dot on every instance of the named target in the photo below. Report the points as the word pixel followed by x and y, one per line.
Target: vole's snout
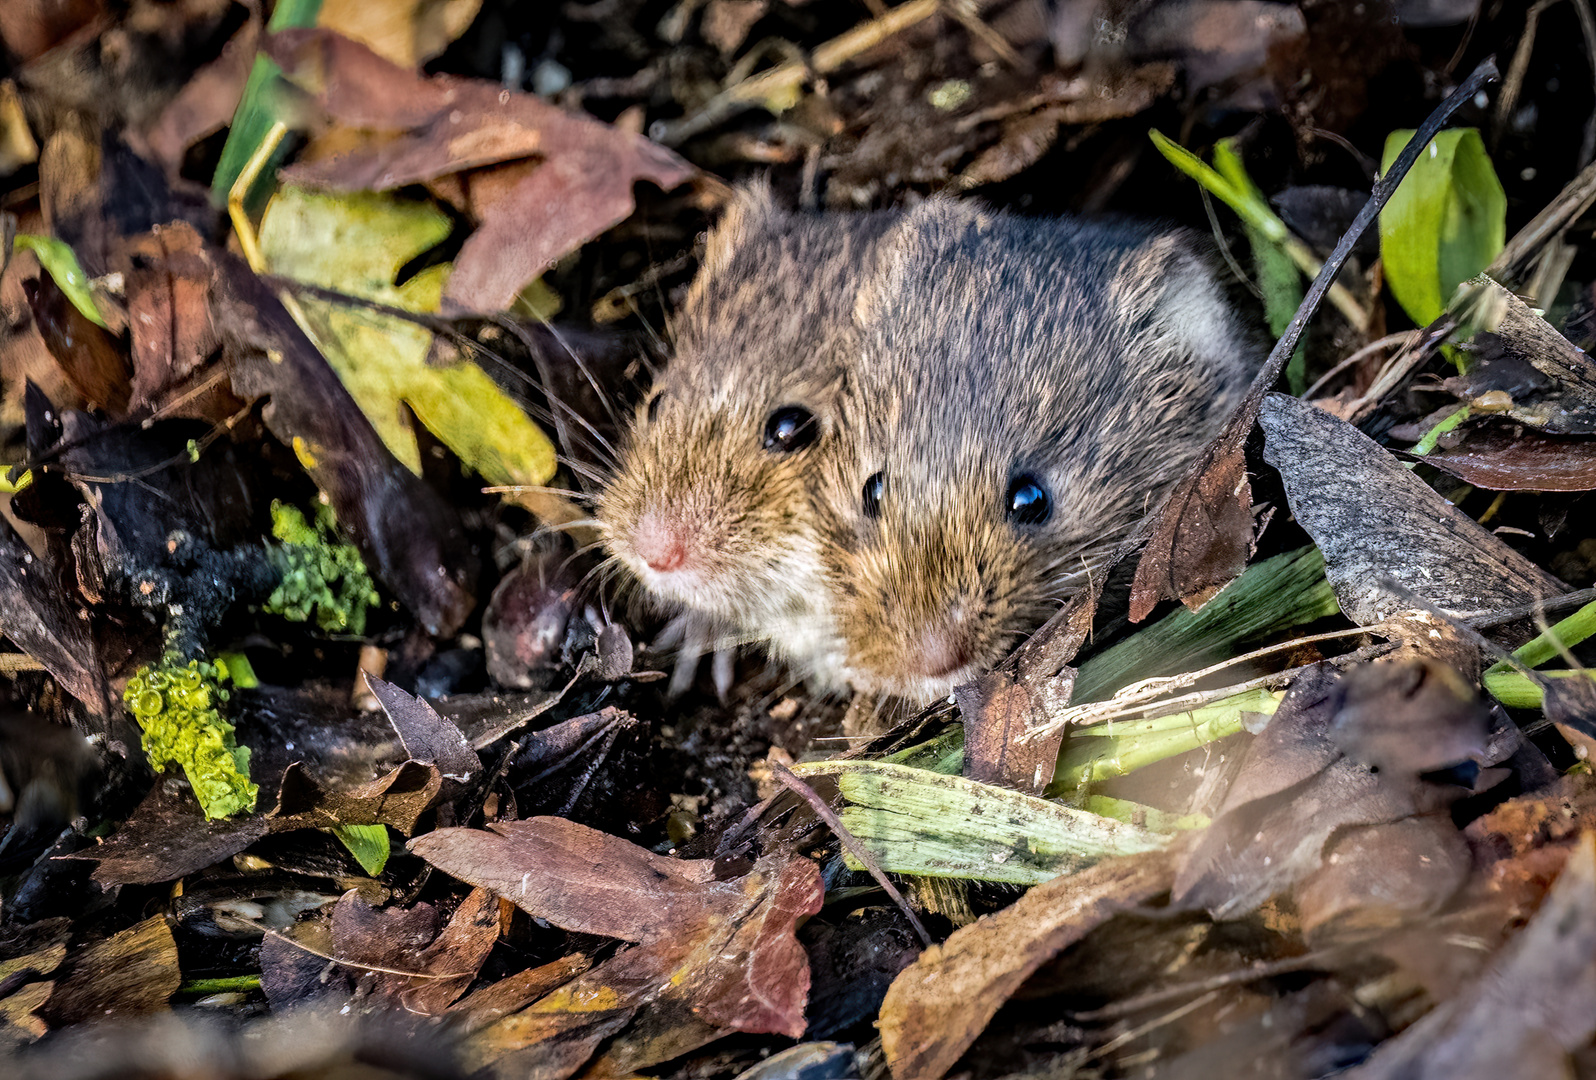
pixel 942 649
pixel 931 600
pixel 662 543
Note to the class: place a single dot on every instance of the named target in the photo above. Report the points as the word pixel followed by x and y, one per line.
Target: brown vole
pixel 890 444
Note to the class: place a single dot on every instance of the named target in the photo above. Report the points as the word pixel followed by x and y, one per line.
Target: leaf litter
pixel 1312 841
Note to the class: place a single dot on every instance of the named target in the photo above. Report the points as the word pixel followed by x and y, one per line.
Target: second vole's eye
pixel 870 497
pixel 791 427
pixel 1027 501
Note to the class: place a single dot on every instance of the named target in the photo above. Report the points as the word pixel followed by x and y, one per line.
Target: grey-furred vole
pixel 890 444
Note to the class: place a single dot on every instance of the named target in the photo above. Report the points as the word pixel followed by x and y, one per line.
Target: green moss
pixel 321 576
pixel 176 706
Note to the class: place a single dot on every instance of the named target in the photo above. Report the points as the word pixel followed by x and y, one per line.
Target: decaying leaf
pixel 937 1007
pixel 427 737
pixel 1202 538
pixel 88 354
pixel 1534 1007
pixel 40 617
pixel 515 992
pixel 441 126
pixel 396 798
pixel 443 959
pixel 168 282
pixel 1297 788
pixel 167 838
pixel 1527 370
pixel 1377 523
pixel 1505 457
pixel 715 956
pixel 1000 717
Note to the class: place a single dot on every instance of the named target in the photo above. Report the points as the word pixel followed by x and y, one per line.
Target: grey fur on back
pixel 1096 357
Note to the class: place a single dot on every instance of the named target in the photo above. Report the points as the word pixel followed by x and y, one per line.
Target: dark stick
pixel 1384 188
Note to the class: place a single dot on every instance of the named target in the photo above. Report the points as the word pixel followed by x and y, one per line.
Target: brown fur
pixel 758 331
pixel 951 349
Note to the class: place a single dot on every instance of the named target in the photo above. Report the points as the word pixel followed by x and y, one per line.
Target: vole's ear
pixel 751 212
pixel 1173 280
pixel 915 251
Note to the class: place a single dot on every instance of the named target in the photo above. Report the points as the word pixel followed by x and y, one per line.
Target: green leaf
pixel 263 103
pixel 1444 224
pixel 356 243
pixel 1244 199
pixel 1519 691
pixel 367 843
pixel 62 262
pixel 1118 747
pixel 1273 595
pixel 1278 277
pixel 918 822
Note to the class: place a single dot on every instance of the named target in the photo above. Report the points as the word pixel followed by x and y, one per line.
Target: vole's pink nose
pixel 661 544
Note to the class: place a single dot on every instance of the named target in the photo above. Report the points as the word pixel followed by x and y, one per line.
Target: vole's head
pixel 1023 392
pixel 709 507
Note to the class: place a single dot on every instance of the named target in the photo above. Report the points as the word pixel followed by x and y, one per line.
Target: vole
pixel 890 444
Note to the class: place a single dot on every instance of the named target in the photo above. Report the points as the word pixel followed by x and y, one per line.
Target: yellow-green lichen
pixel 321 576
pixel 177 707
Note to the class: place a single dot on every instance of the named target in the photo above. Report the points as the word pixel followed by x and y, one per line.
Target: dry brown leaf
pixel 168 837
pixel 576 877
pixel 1202 538
pixel 716 956
pixel 941 1002
pixel 444 959
pixel 168 281
pixel 1523 1017
pixel 90 357
pixel 397 798
pixel 440 126
pixel 427 737
pixel 515 992
pixel 1506 457
pixel 1378 524
pixel 1002 707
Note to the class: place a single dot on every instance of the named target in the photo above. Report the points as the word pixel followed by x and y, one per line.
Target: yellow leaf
pixel 356 244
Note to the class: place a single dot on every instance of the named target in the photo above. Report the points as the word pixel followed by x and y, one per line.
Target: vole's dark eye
pixel 653 406
pixel 870 497
pixel 791 427
pixel 1027 501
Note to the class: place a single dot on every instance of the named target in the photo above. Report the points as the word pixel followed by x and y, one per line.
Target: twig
pixel 1141 697
pixel 782 80
pixel 1406 337
pixel 1384 188
pixel 790 781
